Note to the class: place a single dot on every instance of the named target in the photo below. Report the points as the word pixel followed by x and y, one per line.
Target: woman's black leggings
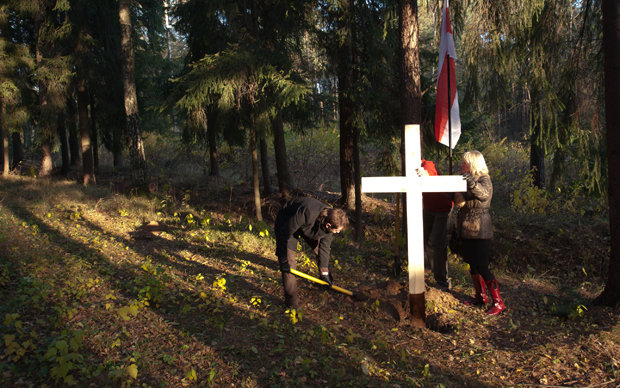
pixel 477 253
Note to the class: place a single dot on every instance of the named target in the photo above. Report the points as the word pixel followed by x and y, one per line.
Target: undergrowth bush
pixel 314 159
pixel 514 193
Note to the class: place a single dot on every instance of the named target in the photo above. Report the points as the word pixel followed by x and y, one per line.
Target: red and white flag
pixel 447 55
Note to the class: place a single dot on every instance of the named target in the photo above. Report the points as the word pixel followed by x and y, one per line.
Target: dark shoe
pixel 498 304
pixel 327 279
pixel 445 285
pixel 480 298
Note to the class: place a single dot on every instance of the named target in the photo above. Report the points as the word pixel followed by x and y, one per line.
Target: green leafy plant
pixel 130 311
pixel 64 355
pixel 4 275
pixel 152 283
pixel 529 199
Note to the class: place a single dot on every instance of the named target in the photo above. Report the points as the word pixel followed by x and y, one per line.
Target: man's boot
pixel 480 298
pixel 440 268
pixel 289 281
pixel 290 290
pixel 498 304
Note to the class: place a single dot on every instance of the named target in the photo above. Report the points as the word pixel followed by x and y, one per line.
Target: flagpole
pixel 449 101
pixel 449 122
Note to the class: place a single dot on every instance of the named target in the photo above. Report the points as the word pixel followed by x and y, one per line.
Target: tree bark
pixel 136 145
pixel 117 145
pixel 46 136
pixel 46 155
pixel 88 168
pixel 537 159
pixel 212 139
pixel 279 147
pixel 95 138
pixel 410 76
pixel 346 106
pixel 410 73
pixel 18 152
pixel 611 50
pixel 359 230
pixel 74 144
pixel 4 138
pixel 411 113
pixel 264 163
pixel 255 178
pixel 64 147
pixel 93 131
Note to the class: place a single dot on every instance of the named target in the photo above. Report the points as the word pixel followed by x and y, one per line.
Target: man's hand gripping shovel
pixel 335 288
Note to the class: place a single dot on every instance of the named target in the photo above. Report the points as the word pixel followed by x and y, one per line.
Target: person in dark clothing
pixel 314 222
pixel 436 207
pixel 476 230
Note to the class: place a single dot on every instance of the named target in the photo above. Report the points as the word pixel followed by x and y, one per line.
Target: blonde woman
pixel 476 230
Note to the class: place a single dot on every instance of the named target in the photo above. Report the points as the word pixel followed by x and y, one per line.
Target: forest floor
pixel 103 286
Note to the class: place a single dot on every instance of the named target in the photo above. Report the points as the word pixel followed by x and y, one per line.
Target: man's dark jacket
pixel 298 218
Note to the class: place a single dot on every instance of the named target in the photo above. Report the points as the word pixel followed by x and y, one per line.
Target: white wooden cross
pixel 414 185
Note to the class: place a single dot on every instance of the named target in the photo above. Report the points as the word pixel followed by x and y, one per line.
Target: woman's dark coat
pixel 474 219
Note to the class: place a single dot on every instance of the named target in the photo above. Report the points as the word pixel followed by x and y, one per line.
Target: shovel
pixel 319 281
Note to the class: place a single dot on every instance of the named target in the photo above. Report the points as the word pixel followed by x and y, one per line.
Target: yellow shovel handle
pixel 317 280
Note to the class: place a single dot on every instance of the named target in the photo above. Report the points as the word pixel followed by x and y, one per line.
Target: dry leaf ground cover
pixel 179 287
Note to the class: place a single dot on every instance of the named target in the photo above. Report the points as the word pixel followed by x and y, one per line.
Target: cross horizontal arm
pixel 428 184
pixel 442 184
pixel 384 184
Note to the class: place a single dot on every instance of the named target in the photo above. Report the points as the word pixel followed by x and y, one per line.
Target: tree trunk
pixel 18 152
pixel 95 138
pixel 347 146
pixel 93 131
pixel 279 148
pixel 136 146
pixel 256 185
pixel 64 147
pixel 74 144
pixel 212 139
pixel 117 146
pixel 410 82
pixel 45 126
pixel 611 49
pixel 4 138
pixel 410 73
pixel 537 159
pixel 346 105
pixel 46 136
pixel 359 230
pixel 411 113
pixel 88 168
pixel 46 155
pixel 264 163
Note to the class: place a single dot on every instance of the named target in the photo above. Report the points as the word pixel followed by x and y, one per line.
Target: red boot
pixel 480 298
pixel 498 303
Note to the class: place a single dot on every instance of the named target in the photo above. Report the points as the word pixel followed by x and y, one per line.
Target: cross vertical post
pixel 414 185
pixel 415 229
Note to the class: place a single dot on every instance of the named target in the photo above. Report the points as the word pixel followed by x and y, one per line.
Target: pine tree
pixel 14 60
pixel 611 50
pixel 134 131
pixel 247 76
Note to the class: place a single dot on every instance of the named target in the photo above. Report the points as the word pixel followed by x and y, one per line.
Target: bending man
pixel 314 222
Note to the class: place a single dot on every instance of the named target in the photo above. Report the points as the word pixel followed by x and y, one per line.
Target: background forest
pixel 146 145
